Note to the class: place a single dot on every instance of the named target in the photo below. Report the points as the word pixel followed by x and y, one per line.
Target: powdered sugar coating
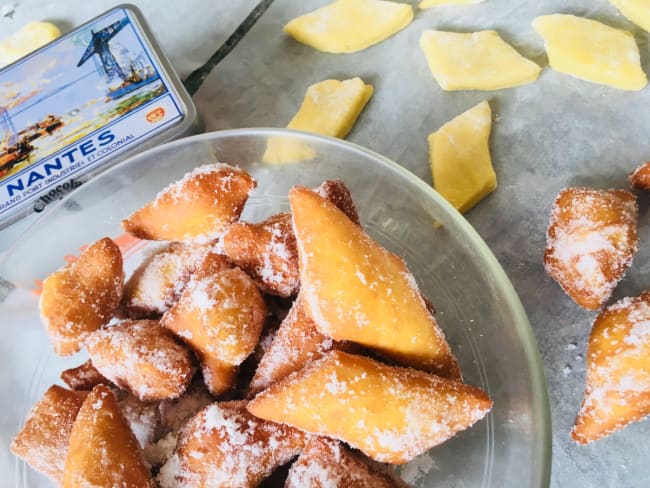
pixel 339 194
pixel 199 207
pixel 160 279
pixel 143 358
pixel 82 296
pixel 43 440
pixel 296 343
pixel 326 463
pixel 618 370
pixel 225 446
pixel 392 414
pixel 84 377
pixel 591 241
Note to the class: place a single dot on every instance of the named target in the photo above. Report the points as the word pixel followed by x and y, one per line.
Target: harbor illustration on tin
pixel 72 88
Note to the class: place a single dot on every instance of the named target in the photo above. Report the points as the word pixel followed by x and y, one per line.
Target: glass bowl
pixel 477 306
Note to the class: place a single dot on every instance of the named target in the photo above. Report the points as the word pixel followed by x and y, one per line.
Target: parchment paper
pixel 548 135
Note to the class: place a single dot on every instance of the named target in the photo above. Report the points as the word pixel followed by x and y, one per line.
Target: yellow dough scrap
pixel 346 26
pixel 475 61
pixel 637 11
pixel 330 108
pixel 591 51
pixel 29 38
pixel 460 158
pixel 434 3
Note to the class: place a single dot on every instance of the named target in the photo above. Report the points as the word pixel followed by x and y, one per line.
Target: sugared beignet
pixel 590 243
pixel 82 296
pixel 103 451
pixel 390 413
pixel 224 446
pixel 640 177
pixel 267 252
pixel 199 207
pixel 326 463
pixel 143 358
pixel 84 377
pixel 43 440
pixel 618 370
pixel 355 290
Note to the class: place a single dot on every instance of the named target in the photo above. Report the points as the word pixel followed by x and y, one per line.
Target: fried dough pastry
pixel 296 343
pixel 143 418
pixel 220 316
pixel 143 358
pixel 84 377
pixel 640 177
pixel 225 446
pixel 390 413
pixel 175 413
pixel 82 296
pixel 381 308
pixel 103 451
pixel 326 463
pixel 199 207
pixel 267 252
pixel 590 243
pixel 618 370
pixel 158 282
pixel 339 194
pixel 43 440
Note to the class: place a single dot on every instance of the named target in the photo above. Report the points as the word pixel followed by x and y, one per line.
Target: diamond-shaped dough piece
pixel 434 3
pixel 618 370
pixel 590 243
pixel 43 440
pixel 390 413
pixel 356 290
pixel 475 61
pixel 346 26
pixel 591 51
pixel 29 38
pixel 460 158
pixel 637 11
pixel 103 450
pixel 330 108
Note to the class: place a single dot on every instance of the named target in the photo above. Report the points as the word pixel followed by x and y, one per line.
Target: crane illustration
pixel 99 45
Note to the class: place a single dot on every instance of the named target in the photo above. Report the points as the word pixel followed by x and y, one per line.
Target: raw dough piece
pixel 591 51
pixel 330 108
pixel 346 26
pixel 29 38
pixel 475 61
pixel 618 370
pixel 392 414
pixel 433 3
pixel 637 11
pixel 356 290
pixel 460 158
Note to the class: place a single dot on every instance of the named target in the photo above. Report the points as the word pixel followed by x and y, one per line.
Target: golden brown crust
pixel 591 241
pixel 326 463
pixel 390 413
pixel 143 358
pixel 84 377
pixel 296 343
pixel 103 451
pixel 617 389
pixel 157 283
pixel 199 207
pixel 640 177
pixel 220 316
pixel 267 252
pixel 339 194
pixel 43 440
pixel 81 297
pixel 225 446
pixel 382 307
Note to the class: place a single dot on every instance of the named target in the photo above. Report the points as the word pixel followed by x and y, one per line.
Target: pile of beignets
pixel 236 348
pixel 591 241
